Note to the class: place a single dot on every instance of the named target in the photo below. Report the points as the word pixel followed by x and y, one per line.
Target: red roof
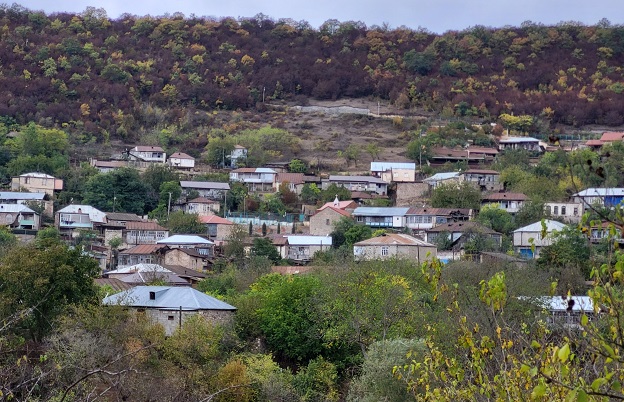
pixel 143 249
pixel 341 205
pixel 612 136
pixel 214 219
pixel 292 178
pixel 144 226
pixel 594 143
pixel 181 155
pixel 482 171
pixel 340 211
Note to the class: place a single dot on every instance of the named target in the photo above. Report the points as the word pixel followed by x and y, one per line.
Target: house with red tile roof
pixel 218 228
pixel 323 221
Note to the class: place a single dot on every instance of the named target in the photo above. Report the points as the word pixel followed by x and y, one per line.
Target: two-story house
pixel 295 181
pixel 238 156
pixel 367 184
pixel 73 218
pixel 461 232
pixel 209 189
pixel 37 183
pixel 513 143
pixel 440 178
pixel 381 217
pixel 394 171
pixel 419 219
pixel 201 245
pixel 256 179
pixel 182 161
pixel 202 206
pixel 510 202
pixel 41 200
pixel 18 216
pixel 140 254
pixel 607 197
pixel 570 212
pixel 528 240
pixel 136 233
pixel 301 248
pixel 218 229
pixel 147 153
pixel 486 180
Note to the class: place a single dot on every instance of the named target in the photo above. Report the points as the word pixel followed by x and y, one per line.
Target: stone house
pixel 202 206
pixel 323 221
pixel 186 257
pixel 217 228
pixel 140 254
pixel 394 245
pixel 571 212
pixel 368 184
pixel 484 179
pixel 74 217
pixel 171 306
pixel 37 183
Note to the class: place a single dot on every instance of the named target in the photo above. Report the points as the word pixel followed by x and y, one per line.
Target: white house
pixel 180 160
pixel 394 245
pixel 256 179
pixel 530 237
pixel 301 248
pixel 238 155
pixel 439 178
pixel 368 184
pixel 526 143
pixel 148 153
pixel 510 202
pixel 74 217
pixel 608 197
pixel 381 217
pixel 394 171
pixel 571 212
pixel 208 189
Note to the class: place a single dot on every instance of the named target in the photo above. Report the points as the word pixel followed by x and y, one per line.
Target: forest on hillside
pixel 107 78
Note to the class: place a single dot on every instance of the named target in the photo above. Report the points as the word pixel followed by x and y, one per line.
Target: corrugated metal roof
pixel 482 171
pixel 357 179
pixel 612 136
pixel 94 214
pixel 341 205
pixel 204 185
pixel 600 192
pixel 380 211
pixel 507 140
pixel 337 210
pixel 123 216
pixel 394 238
pixel 385 166
pixel 438 211
pixel 461 227
pixel 184 239
pixel 114 283
pixel 292 178
pixel 15 208
pixel 143 267
pixel 148 148
pixel 150 277
pixel 13 195
pixel 303 240
pixel 551 226
pixel 143 249
pixel 168 298
pixel 37 175
pixel 145 226
pixel 214 220
pixel 442 176
pixel 202 200
pixel 505 196
pixel 181 155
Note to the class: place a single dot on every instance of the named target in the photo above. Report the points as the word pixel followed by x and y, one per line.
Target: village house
pixel 394 245
pixel 301 248
pixel 439 178
pixel 202 206
pixel 606 138
pixel 18 216
pixel 171 306
pixel 140 254
pixel 368 184
pixel 474 157
pixel 36 183
pixel 394 171
pixel 107 166
pixel 148 154
pixel 381 217
pixel 145 274
pixel 203 246
pixel 607 197
pixel 509 202
pixel 186 257
pixel 295 181
pixel 486 180
pixel 40 200
pixel 347 205
pixel 238 156
pixel 218 229
pixel 419 219
pixel 255 179
pixel 136 233
pixel 528 240
pixel 570 212
pixel 461 232
pixel 565 311
pixel 181 161
pixel 73 218
pixel 208 189
pixel 323 221
pixel 513 143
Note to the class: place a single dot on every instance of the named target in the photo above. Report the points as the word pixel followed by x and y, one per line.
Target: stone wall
pixel 411 194
pixel 170 319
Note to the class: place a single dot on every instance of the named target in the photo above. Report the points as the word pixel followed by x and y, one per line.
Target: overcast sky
pixel 436 15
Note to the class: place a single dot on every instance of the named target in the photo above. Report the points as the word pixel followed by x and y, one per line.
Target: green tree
pixel 334 190
pixel 123 186
pixel 40 284
pixel 310 193
pixel 492 216
pixel 180 222
pixel 297 166
pixel 263 246
pixel 456 195
pixel 569 251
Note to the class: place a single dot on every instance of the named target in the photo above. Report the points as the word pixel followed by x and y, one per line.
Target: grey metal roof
pixel 551 226
pixel 167 298
pixel 601 192
pixel 14 195
pixel 385 166
pixel 309 240
pixel 506 140
pixel 15 208
pixel 357 179
pixel 380 211
pixel 442 176
pixel 206 185
pixel 184 239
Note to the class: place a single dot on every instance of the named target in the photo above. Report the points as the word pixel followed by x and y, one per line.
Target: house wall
pixel 399 175
pixel 522 239
pixel 36 184
pixel 419 253
pixel 177 257
pixel 170 319
pixel 181 163
pixel 202 208
pixel 322 223
pixel 125 260
pixel 568 211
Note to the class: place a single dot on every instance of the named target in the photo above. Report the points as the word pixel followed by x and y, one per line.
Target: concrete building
pixel 607 197
pixel 238 156
pixel 381 217
pixel 419 219
pixel 439 178
pixel 510 202
pixel 74 217
pixel 570 212
pixel 147 153
pixel 41 200
pixel 171 306
pixel 513 143
pixel 484 179
pixel 529 238
pixel 394 171
pixel 396 245
pixel 182 161
pixel 295 181
pixel 209 189
pixel 37 183
pixel 301 248
pixel 367 184
pixel 256 179
pixel 202 206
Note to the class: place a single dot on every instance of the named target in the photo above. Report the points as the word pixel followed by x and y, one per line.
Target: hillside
pixel 119 79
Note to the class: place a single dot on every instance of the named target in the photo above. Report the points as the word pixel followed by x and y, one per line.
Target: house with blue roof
pixel 171 306
pixel 381 217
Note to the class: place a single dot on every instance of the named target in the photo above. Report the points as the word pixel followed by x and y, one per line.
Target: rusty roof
pixel 143 249
pixel 114 283
pixel 394 238
pixel 145 226
pixel 612 136
pixel 214 219
pixel 505 196
pixel 292 178
pixel 462 227
pixel 203 200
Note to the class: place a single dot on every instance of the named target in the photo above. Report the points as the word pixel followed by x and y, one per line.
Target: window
pixel 576 211
pixel 556 210
pixel 327 222
pixel 547 209
pixel 384 251
pixel 563 210
pixel 170 318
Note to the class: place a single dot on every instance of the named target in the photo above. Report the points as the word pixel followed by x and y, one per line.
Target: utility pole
pixel 263 91
pixel 169 205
